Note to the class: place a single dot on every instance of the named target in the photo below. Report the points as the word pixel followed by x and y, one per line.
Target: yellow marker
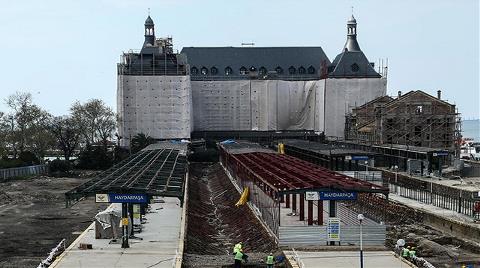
pixel 281 148
pixel 244 197
pixel 124 221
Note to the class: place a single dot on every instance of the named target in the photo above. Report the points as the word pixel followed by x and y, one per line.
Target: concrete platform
pixel 161 242
pixel 351 259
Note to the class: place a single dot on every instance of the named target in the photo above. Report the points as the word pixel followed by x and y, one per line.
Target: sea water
pixel 471 129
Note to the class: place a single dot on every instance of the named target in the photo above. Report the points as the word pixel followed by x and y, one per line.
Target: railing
pixel 55 252
pixel 301 236
pixel 22 171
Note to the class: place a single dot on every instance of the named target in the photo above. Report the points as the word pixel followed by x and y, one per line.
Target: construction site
pixel 282 198
pixel 259 159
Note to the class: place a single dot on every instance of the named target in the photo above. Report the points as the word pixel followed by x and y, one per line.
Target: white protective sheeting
pixel 343 94
pixel 158 106
pixel 257 105
pixel 221 105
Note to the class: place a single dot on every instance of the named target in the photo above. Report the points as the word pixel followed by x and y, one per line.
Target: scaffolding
pixel 415 119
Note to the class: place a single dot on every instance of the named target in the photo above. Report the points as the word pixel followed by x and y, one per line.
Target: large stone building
pixel 167 95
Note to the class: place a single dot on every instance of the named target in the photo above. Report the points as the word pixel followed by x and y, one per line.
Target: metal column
pixel 302 207
pixel 310 212
pixel 320 212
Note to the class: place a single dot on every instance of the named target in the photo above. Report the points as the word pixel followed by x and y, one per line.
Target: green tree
pixel 140 141
pixel 66 133
pixel 26 125
pixel 96 121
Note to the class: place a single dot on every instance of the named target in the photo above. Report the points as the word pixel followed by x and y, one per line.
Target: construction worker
pixel 405 252
pixel 237 247
pixel 238 259
pixel 411 253
pixel 270 260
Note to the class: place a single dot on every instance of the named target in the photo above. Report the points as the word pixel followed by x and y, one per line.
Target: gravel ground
pixel 34 218
pixel 215 224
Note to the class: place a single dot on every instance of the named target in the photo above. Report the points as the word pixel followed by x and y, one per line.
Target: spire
pixel 352 44
pixel 149 31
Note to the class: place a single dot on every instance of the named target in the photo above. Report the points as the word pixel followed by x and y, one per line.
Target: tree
pixel 96 121
pixel 140 141
pixel 66 133
pixel 4 127
pixel 27 125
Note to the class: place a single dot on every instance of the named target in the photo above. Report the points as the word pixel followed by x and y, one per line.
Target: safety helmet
pixel 408 247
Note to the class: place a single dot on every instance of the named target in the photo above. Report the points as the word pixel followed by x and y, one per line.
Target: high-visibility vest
pixel 238 247
pixel 239 255
pixel 405 252
pixel 411 253
pixel 269 259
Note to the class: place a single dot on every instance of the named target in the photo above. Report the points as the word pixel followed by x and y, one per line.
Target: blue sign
pixel 338 196
pixel 440 154
pixel 360 158
pixel 127 198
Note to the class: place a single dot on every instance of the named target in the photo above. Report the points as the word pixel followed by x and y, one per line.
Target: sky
pixel 64 50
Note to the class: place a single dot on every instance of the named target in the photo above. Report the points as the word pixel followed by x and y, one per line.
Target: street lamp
pixel 360 218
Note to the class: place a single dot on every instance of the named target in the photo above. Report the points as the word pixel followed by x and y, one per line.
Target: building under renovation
pixel 414 119
pixel 167 95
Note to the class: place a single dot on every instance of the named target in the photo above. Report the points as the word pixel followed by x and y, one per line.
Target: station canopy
pixel 287 174
pixel 158 170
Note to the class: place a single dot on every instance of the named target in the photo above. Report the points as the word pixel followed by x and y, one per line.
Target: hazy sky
pixel 62 51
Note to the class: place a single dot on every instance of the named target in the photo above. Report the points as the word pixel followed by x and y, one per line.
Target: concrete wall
pixel 158 106
pixel 343 94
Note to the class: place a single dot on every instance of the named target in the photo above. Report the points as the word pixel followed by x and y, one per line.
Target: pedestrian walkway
pixel 161 241
pixel 351 259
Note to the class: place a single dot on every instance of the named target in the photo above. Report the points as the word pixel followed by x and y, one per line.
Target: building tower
pixel 149 32
pixel 352 44
pixel 153 94
pixel 351 81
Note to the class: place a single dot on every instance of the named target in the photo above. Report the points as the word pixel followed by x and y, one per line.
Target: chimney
pixel 439 94
pixel 399 94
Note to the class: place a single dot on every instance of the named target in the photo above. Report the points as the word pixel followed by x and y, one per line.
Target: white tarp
pixel 158 106
pixel 256 105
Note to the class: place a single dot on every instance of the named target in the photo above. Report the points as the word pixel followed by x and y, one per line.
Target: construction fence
pixel 22 171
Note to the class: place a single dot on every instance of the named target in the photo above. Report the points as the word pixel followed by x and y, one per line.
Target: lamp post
pixel 360 218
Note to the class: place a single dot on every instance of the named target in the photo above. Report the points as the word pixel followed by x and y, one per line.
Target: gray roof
pixel 352 19
pixel 149 21
pixel 268 57
pixel 343 66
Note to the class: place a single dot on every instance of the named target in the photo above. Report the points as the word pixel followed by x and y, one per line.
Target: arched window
pixel 279 70
pixel 253 69
pixel 262 71
pixel 213 70
pixel 301 70
pixel 291 70
pixel 243 70
pixel 311 70
pixel 355 68
pixel 194 70
pixel 228 71
pixel 204 70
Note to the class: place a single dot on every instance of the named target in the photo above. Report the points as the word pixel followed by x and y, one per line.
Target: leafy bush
pixel 58 165
pixel 11 163
pixel 95 158
pixel 29 158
